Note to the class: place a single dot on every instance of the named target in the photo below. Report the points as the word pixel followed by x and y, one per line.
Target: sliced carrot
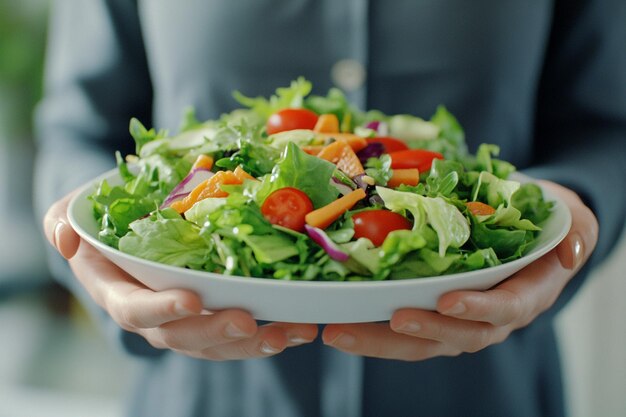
pixel 356 142
pixel 214 187
pixel 327 123
pixel 342 155
pixel 312 149
pixel 185 204
pixel 409 176
pixel 207 189
pixel 480 209
pixel 324 216
pixel 203 161
pixel 243 175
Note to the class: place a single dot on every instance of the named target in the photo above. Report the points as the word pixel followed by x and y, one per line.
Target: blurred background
pixel 54 361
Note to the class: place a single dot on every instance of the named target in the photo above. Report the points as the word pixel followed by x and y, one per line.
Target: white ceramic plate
pixel 304 301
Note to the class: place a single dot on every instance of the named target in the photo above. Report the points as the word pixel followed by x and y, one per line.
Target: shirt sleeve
pixel 96 79
pixel 580 133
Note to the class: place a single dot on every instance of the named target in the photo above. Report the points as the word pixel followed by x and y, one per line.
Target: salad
pixel 305 187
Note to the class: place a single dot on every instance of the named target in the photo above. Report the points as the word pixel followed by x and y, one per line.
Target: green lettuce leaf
pixel 171 241
pixel 494 190
pixel 504 242
pixel 451 141
pixel 271 248
pixel 508 217
pixel 379 169
pixel 292 96
pixel 528 199
pixel 451 226
pixel 307 173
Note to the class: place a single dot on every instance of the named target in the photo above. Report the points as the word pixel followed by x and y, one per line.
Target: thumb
pixel 58 230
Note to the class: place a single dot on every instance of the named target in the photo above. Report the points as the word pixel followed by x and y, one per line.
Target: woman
pixel 545 80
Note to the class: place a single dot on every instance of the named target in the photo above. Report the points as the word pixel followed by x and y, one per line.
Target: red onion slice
pixel 381 128
pixel 191 181
pixel 340 186
pixel 321 238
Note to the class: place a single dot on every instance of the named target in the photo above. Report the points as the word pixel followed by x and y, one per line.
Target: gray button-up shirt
pixel 544 79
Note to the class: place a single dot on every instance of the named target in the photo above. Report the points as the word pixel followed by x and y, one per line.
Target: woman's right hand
pixel 171 319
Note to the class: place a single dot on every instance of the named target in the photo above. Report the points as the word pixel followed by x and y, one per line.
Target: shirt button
pixel 348 74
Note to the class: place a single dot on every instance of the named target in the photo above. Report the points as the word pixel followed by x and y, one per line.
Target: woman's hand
pixel 172 319
pixel 468 321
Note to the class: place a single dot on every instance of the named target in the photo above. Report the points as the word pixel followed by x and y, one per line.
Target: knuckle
pixel 501 336
pixel 172 340
pixel 453 353
pixel 246 350
pixel 127 317
pixel 121 316
pixel 513 308
pixel 212 354
pixel 480 340
pixel 377 350
pixel 154 340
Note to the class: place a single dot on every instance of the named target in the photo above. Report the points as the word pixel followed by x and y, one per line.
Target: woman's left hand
pixel 468 321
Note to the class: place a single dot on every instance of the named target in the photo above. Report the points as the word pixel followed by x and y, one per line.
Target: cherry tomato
pixel 390 144
pixel 291 119
pixel 287 207
pixel 414 158
pixel 377 224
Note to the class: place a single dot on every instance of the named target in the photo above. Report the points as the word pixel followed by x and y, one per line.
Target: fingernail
pixel 234 332
pixel 570 253
pixel 57 233
pixel 344 340
pixel 458 308
pixel 268 349
pixel 297 339
pixel 181 310
pixel 410 327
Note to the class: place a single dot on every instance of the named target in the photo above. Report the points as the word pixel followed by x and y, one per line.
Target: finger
pixel 583 236
pixel 204 331
pixel 531 291
pixel 57 229
pixel 464 335
pixel 130 304
pixel 298 334
pixel 516 301
pixel 268 341
pixel 379 341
